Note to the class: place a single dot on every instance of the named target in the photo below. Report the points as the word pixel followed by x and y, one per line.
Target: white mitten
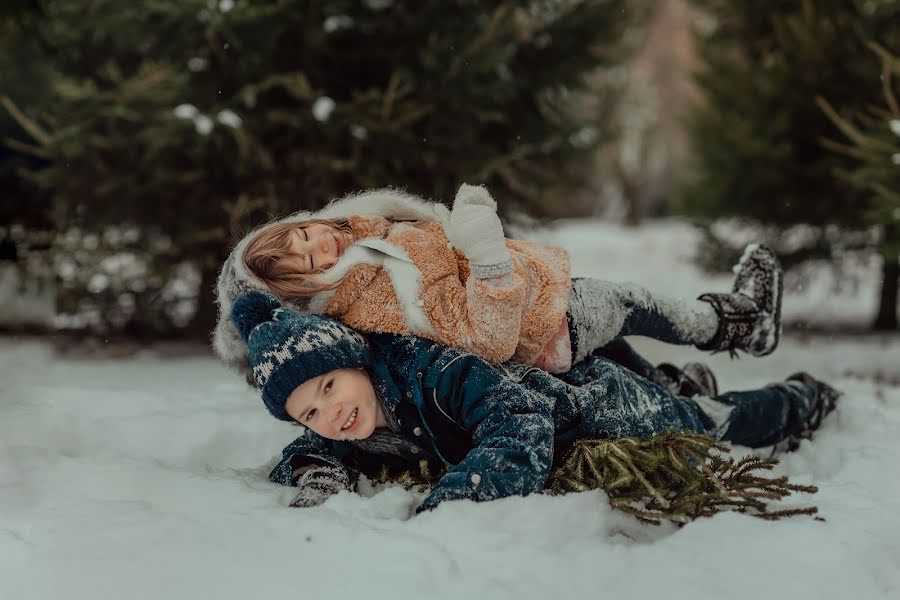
pixel 318 484
pixel 475 229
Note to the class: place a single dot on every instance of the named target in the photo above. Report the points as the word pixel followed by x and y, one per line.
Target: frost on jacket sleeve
pixel 480 315
pixel 309 464
pixel 512 431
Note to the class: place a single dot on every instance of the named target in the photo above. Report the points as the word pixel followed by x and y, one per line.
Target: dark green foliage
pixel 408 479
pixel 677 477
pixel 27 77
pixel 758 135
pixel 287 104
pixel 873 142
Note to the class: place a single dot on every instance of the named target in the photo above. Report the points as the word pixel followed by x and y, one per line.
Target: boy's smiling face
pixel 339 405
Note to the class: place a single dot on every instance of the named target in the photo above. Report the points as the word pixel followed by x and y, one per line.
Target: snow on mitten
pixel 475 228
pixel 318 484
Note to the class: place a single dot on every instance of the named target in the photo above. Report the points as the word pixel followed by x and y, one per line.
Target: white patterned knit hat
pixel 286 349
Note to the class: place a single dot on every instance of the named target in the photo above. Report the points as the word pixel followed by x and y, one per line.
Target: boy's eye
pixel 310 415
pixel 328 386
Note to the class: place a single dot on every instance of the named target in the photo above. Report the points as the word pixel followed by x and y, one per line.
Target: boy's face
pixel 340 405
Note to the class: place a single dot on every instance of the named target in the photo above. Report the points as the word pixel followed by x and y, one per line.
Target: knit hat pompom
pixel 286 349
pixel 251 309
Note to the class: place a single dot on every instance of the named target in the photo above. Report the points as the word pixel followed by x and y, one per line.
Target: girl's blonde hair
pixel 266 249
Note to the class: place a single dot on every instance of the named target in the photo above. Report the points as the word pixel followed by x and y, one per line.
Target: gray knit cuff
pixel 319 484
pixel 490 271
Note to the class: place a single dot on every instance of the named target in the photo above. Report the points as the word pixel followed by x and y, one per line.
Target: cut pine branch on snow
pixel 675 477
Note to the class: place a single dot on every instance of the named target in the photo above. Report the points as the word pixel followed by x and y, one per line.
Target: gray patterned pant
pixel 601 311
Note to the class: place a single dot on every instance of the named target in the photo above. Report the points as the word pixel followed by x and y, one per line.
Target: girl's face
pixel 340 405
pixel 314 248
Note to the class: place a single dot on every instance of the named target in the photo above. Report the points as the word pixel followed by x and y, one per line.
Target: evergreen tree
pixel 25 75
pixel 758 135
pixel 874 144
pixel 196 117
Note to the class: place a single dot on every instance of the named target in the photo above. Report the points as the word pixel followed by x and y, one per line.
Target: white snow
pixel 197 64
pixel 203 124
pixel 359 132
pixel 145 477
pixel 229 118
pixel 895 126
pixel 336 22
pixel 322 108
pixel 185 111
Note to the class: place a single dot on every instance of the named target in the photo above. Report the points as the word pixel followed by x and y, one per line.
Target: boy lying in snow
pixel 394 401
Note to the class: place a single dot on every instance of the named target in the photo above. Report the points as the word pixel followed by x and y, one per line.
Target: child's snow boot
pixel 694 379
pixel 703 377
pixel 750 316
pixel 823 402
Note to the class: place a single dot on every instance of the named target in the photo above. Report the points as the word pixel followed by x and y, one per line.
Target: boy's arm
pixel 512 430
pixel 309 464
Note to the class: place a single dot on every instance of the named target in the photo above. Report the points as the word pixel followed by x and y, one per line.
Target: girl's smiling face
pixel 339 405
pixel 314 248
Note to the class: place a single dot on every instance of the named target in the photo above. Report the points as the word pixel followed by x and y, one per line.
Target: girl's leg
pixel 748 318
pixel 601 311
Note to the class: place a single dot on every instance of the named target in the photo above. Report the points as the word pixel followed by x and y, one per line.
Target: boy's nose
pixel 337 415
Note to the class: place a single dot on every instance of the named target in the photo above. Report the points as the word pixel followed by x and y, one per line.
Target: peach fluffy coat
pixel 520 316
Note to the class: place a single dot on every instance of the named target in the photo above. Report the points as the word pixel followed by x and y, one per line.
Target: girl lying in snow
pixel 384 261
pixel 498 430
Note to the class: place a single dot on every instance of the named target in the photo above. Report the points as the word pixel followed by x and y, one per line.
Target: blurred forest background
pixel 141 139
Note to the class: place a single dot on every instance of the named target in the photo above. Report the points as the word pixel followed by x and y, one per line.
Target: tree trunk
pixel 887 310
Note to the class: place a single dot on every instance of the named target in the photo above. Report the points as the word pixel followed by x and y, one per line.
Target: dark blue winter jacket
pixel 498 430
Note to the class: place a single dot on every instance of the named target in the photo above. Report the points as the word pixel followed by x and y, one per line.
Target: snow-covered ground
pixel 145 477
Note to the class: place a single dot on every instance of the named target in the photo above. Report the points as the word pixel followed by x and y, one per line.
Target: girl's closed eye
pixel 312 263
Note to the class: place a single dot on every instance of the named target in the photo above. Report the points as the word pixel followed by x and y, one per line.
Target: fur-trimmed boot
pixel 823 403
pixel 694 379
pixel 750 316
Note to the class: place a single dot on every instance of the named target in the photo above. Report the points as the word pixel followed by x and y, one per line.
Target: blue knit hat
pixel 286 349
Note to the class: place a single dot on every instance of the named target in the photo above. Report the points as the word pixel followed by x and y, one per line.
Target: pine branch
pixel 676 477
pixel 29 125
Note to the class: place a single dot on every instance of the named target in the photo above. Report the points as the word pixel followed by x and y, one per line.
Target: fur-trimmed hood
pixel 235 278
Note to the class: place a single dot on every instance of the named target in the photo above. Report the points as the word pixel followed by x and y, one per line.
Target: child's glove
pixel 318 484
pixel 475 229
